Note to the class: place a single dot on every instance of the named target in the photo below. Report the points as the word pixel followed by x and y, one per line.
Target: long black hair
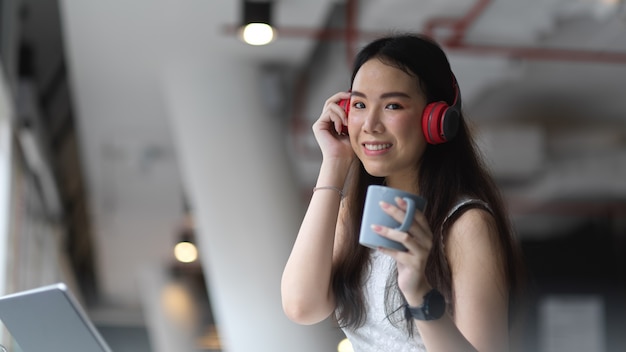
pixel 447 172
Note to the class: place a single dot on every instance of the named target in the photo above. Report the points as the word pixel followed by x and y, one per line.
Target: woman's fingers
pixel 419 215
pixel 335 113
pixel 419 227
pixel 417 240
pixel 414 243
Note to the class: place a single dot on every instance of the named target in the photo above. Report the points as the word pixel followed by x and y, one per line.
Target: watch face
pixel 436 305
pixel 433 308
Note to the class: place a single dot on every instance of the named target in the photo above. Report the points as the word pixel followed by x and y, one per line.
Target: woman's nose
pixel 372 122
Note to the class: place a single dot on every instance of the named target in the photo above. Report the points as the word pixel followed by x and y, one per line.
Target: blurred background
pixel 127 127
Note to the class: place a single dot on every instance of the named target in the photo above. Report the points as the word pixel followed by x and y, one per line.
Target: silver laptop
pixel 49 319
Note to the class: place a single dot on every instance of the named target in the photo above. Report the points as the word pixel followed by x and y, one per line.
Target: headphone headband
pixel 456 104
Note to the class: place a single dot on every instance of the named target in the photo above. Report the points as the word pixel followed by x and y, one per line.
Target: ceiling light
pixel 185 251
pixel 256 28
pixel 345 346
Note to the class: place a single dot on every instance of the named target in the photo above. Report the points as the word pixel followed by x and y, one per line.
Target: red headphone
pixel 440 121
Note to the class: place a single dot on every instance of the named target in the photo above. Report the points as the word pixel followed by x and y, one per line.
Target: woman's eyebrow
pixel 395 95
pixel 383 96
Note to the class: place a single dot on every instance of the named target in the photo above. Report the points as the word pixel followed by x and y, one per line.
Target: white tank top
pixel 377 334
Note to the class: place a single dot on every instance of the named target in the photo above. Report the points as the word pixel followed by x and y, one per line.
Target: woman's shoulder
pixel 464 204
pixel 473 218
pixel 472 226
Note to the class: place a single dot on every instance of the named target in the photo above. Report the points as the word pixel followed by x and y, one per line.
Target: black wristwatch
pixel 432 309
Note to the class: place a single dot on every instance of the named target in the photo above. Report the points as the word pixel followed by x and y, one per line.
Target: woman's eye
pixel 393 106
pixel 359 105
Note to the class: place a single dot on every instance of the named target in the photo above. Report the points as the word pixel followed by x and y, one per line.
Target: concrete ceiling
pixel 117 52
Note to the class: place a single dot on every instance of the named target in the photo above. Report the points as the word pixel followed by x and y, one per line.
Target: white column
pixel 6 158
pixel 246 202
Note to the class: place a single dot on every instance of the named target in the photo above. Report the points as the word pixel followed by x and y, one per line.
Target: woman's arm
pixel 307 294
pixel 480 319
pixel 306 288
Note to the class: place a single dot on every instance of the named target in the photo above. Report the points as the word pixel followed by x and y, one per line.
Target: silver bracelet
pixel 331 188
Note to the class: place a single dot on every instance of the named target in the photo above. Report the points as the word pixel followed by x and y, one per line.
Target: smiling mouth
pixel 375 147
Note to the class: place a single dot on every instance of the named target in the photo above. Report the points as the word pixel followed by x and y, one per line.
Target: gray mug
pixel 373 214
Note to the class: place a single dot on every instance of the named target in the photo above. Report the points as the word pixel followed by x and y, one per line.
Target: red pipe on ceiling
pixel 454 42
pixel 351 31
pixel 459 26
pixel 533 53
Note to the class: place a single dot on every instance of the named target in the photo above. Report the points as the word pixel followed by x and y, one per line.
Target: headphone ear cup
pixel 450 123
pixel 432 122
pixel 440 122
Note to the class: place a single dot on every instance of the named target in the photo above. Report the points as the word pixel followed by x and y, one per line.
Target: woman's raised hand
pixel 328 129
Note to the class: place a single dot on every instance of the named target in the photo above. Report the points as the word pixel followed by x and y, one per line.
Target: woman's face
pixel 385 121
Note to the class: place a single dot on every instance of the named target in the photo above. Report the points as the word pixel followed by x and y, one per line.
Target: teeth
pixel 377 146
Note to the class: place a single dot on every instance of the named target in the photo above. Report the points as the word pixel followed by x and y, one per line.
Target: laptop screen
pixel 49 319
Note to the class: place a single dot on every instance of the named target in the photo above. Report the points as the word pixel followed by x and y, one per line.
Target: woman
pixel 460 247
